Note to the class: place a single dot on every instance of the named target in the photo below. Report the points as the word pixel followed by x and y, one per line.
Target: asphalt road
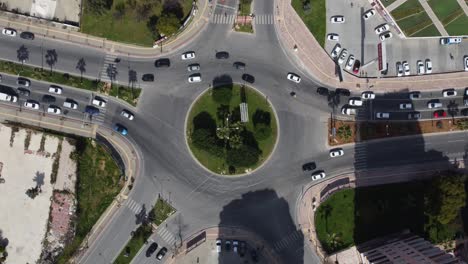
pixel 263 201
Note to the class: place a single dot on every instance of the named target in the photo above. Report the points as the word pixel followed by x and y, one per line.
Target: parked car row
pixel 152 248
pixel 238 247
pixel 11 32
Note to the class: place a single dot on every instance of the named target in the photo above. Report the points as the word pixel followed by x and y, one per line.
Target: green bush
pixel 244 156
pixel 204 139
pixel 222 95
pixel 262 131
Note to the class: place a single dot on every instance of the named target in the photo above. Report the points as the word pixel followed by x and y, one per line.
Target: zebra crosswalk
pixel 166 235
pixel 268 19
pixel 108 67
pixel 133 206
pixel 289 240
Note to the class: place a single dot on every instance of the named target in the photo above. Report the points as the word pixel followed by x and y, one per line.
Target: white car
pixel 55 89
pixel 399 67
pixel 337 19
pixel 343 56
pixel 54 110
pixel 99 102
pixel 465 62
pixel 70 104
pixel 336 50
pixel 428 66
pixel 127 114
pixel 348 111
pixel 336 153
pixel 405 106
pixel 355 102
pixel 420 67
pixel 406 68
pixel 194 79
pixel 449 93
pixel 31 104
pixel 381 115
pixel 368 14
pixel 9 32
pixel 235 246
pixel 294 77
pixel 219 245
pixel 432 105
pixel 350 62
pixel 368 95
pixel 385 35
pixel 382 28
pixel 318 175
pixel 333 37
pixel 193 67
pixel 188 55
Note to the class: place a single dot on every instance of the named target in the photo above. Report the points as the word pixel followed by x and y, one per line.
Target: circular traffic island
pixel 231 129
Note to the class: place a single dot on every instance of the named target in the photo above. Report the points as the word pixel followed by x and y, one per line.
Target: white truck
pixel 7 97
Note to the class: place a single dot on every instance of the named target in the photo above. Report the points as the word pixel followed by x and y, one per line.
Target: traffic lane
pixel 68 55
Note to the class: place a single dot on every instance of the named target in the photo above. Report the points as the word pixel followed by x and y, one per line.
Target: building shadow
pixel 269 218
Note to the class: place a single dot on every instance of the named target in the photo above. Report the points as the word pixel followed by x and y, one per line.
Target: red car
pixel 356 66
pixel 440 113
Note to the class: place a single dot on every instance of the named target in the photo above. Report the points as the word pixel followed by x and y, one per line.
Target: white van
pixel 7 97
pixel 451 40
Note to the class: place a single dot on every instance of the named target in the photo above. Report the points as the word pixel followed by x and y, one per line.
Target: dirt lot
pixel 360 131
pixel 27 159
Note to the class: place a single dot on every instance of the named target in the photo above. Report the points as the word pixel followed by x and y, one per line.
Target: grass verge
pixel 458 26
pixel 122 92
pixel 99 181
pixel 244 28
pixel 162 210
pixel 314 18
pixel 134 244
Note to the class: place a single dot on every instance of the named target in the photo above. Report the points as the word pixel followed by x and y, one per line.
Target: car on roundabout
pixel 147 77
pixel 338 152
pixel 164 62
pixel 121 129
pixel 222 55
pixel 248 78
pixel 127 114
pixel 194 78
pixel 294 77
pixel 318 175
pixel 193 67
pixel 188 55
pixel 309 166
pixel 239 65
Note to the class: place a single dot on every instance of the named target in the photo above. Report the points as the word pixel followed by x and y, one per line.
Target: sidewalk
pixel 434 18
pixel 464 6
pixel 312 58
pixel 394 5
pixel 62 32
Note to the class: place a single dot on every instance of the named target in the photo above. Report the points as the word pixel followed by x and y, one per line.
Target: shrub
pixel 244 156
pixel 222 94
pixel 205 140
pixel 262 131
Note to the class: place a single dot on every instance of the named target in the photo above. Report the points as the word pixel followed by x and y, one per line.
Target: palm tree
pixel 81 66
pixel 334 241
pixel 344 132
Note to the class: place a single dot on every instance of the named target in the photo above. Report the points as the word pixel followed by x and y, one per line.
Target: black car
pixel 161 253
pixel 27 35
pixel 464 112
pixel 322 91
pixel 343 92
pixel 23 81
pixel 49 99
pixel 148 77
pixel 253 255
pixel 248 78
pixel 239 65
pixel 162 63
pixel 91 110
pixel 222 55
pixel 23 92
pixel 151 249
pixel 309 166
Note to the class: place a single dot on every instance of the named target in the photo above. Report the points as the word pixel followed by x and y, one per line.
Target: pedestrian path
pixel 394 5
pixel 164 234
pixel 108 67
pixel 267 19
pixel 464 6
pixel 433 17
pixel 288 241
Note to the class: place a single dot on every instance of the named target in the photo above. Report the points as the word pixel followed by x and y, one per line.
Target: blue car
pixel 121 129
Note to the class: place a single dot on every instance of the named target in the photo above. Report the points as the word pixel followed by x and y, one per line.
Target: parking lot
pixel 359 38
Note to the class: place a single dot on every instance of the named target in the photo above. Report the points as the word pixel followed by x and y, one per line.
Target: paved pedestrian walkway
pixel 394 5
pixel 434 18
pixel 70 34
pixel 311 57
pixel 464 6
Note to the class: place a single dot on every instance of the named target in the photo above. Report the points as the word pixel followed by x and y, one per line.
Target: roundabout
pixel 231 129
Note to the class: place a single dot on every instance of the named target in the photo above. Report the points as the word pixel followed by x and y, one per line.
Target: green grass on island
pixel 248 146
pixel 134 245
pixel 99 182
pixel 130 21
pixel 313 14
pixel 162 210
